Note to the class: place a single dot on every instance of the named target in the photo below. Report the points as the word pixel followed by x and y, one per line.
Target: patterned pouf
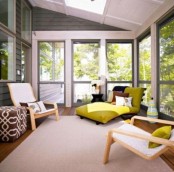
pixel 13 123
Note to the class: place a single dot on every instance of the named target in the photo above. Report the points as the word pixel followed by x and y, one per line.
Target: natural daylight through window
pixel 96 6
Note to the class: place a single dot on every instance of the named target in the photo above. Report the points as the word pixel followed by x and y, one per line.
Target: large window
pixel 25 63
pixel 119 60
pixel 85 69
pixel 7 14
pixel 26 22
pixel 166 67
pixel 144 59
pixel 51 71
pixel 6 56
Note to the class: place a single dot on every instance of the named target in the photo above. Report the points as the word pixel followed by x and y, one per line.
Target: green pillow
pixel 163 132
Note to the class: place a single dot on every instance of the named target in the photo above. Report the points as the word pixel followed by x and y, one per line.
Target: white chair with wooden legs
pixel 136 139
pixel 23 92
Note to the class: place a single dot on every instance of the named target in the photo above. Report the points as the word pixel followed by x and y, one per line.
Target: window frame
pixel 26 5
pixel 51 82
pixel 169 17
pixel 3 26
pixel 14 52
pixel 121 82
pixel 72 80
pixel 28 63
pixel 145 35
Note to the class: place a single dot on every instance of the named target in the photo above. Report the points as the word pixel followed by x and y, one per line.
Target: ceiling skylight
pixel 95 6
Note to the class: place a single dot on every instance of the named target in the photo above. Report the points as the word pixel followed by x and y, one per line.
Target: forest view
pixel 166 65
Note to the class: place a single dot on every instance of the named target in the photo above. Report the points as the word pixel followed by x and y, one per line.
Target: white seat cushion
pixel 138 144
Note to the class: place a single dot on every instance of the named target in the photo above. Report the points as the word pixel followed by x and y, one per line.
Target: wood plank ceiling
pixel 125 14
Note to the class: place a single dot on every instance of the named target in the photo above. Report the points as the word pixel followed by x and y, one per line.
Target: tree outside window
pixel 144 58
pixel 166 67
pixel 6 56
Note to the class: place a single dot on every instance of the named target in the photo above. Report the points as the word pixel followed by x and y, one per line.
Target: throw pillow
pixel 116 93
pixel 128 101
pixel 25 104
pixel 119 101
pixel 37 106
pixel 163 132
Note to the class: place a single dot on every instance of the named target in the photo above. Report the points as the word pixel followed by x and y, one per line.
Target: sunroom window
pixel 119 61
pixel 7 14
pixel 6 56
pixel 144 59
pixel 85 69
pixel 166 67
pixel 26 22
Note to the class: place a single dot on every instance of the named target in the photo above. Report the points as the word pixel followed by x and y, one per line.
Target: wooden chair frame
pixel 33 115
pixel 111 140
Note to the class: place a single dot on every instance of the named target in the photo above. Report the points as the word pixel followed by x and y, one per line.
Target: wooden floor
pixel 7 148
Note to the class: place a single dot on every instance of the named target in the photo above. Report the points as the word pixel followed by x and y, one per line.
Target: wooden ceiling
pixel 125 14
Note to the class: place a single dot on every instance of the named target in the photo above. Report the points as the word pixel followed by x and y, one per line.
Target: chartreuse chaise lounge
pixel 102 112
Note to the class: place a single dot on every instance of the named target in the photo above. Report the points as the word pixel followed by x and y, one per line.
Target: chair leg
pixel 56 111
pixel 107 148
pixel 33 122
pixel 57 115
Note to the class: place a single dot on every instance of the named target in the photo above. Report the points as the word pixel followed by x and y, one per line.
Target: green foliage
pixel 86 61
pixel 51 62
pixel 145 59
pixel 167 52
pixel 4 62
pixel 167 67
pixel 119 61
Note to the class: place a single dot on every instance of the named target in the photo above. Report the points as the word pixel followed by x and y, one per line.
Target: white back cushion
pixel 21 92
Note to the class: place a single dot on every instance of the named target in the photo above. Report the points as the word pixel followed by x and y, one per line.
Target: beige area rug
pixel 75 145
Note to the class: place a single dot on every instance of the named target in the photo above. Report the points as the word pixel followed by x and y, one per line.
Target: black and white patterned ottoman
pixel 13 123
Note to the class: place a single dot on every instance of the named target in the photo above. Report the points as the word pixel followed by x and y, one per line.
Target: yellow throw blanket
pixel 102 106
pixel 98 106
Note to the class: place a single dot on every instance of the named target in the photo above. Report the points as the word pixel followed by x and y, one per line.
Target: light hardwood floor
pixel 7 148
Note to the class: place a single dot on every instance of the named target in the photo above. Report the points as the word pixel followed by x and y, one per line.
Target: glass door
pixel 51 71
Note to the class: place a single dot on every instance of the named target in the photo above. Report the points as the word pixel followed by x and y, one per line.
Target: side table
pixel 97 98
pixel 13 122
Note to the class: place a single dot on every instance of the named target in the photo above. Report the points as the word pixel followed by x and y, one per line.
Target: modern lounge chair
pixel 23 93
pixel 137 140
pixel 103 112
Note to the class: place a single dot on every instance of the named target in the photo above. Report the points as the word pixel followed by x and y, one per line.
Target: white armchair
pixel 23 92
pixel 136 139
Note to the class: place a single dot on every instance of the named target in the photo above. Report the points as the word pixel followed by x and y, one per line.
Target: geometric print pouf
pixel 13 123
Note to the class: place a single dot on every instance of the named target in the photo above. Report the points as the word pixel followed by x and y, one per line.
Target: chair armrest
pixel 30 110
pixel 53 104
pixel 151 120
pixel 144 137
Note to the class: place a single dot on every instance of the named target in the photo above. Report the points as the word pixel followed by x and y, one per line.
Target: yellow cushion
pixel 103 112
pixel 163 132
pixel 136 93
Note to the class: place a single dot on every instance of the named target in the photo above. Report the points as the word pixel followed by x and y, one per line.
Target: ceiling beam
pixel 158 2
pixel 124 20
pixel 53 1
pixel 105 11
pixel 65 8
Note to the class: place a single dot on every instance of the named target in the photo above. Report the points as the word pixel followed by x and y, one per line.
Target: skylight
pixel 95 6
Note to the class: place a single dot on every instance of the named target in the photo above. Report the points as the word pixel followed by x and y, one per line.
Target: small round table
pixel 97 98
